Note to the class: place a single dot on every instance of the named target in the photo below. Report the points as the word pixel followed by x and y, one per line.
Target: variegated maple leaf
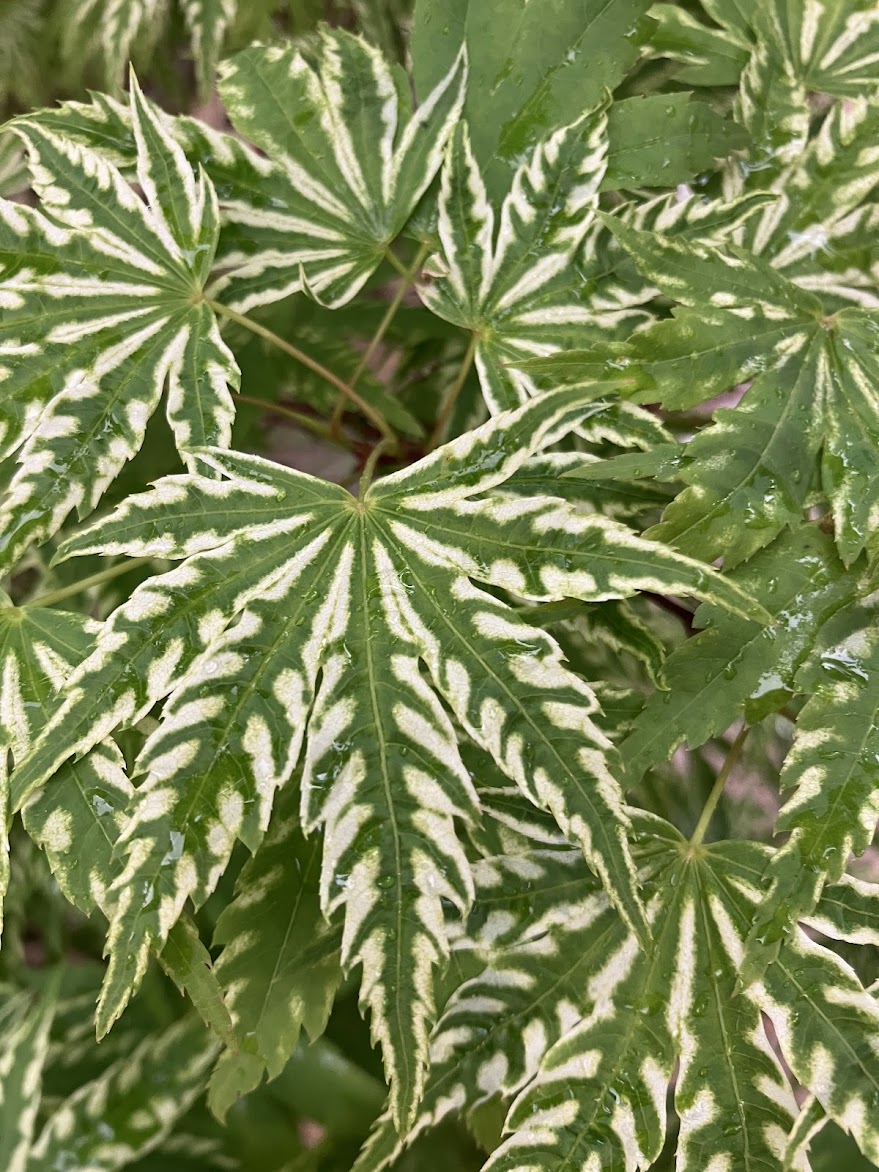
pixel 580 1035
pixel 809 422
pixel 112 1119
pixel 301 616
pixel 350 162
pixel 103 311
pixel 111 32
pixel 540 276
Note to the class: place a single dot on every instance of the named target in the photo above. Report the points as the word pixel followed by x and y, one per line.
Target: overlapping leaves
pixel 351 163
pixel 539 276
pixel 103 309
pixel 813 396
pixel 112 1120
pixel 338 605
pixel 575 1030
pixel 383 697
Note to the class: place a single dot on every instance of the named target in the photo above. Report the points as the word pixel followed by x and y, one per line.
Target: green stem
pixel 729 764
pixel 370 466
pixel 53 596
pixel 452 397
pixel 311 363
pixel 408 278
pixel 395 262
pixel 298 417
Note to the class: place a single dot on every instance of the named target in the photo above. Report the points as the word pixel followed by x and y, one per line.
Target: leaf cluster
pixel 438 627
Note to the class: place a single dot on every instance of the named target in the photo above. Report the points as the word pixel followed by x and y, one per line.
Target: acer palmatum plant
pixel 585 331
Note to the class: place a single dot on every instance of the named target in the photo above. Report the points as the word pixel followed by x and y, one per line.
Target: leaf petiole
pixel 306 360
pixel 457 386
pixel 51 597
pixel 406 283
pixel 730 762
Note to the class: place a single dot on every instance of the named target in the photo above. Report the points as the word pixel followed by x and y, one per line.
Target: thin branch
pixel 729 764
pixel 406 283
pixel 298 417
pixel 53 596
pixel 395 262
pixel 262 331
pixel 452 397
pixel 370 466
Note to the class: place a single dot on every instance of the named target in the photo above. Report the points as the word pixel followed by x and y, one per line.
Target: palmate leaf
pixel 351 161
pixel 819 228
pixel 320 212
pixel 111 32
pixel 103 308
pixel 751 472
pixel 787 49
pixel 515 284
pixel 338 605
pixel 568 1014
pixel 828 48
pixel 599 296
pixel 523 281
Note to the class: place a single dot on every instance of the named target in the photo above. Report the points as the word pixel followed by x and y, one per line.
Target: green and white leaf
pixel 22 1059
pixel 129 1109
pixel 382 773
pixel 350 162
pixel 820 228
pixel 513 280
pixel 829 48
pixel 103 310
